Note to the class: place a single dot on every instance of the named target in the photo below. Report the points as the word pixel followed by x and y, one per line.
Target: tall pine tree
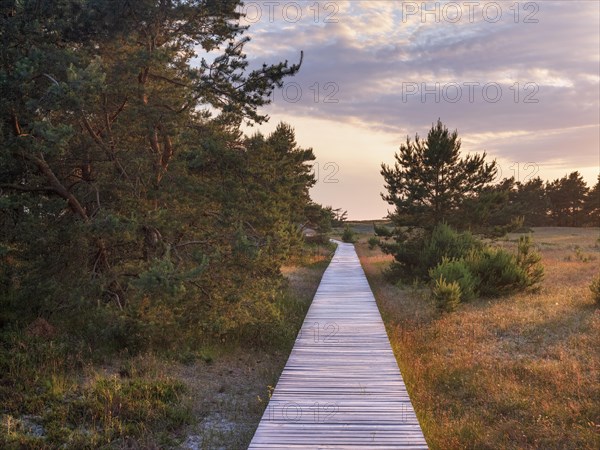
pixel 567 196
pixel 430 182
pixel 124 174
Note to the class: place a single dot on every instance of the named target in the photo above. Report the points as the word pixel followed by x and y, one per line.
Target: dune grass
pixel 518 372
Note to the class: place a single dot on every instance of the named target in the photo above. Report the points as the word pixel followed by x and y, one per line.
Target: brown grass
pixel 231 388
pixel 519 372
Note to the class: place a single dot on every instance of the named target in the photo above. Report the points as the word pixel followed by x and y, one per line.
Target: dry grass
pixel 229 395
pixel 198 398
pixel 519 372
pixel 230 388
pixel 132 403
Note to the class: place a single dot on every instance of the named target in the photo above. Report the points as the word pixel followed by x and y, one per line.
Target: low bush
pixel 445 242
pixel 530 261
pixel 373 242
pixel 446 295
pixel 457 257
pixel 497 271
pixel 420 251
pixel 348 236
pixel 452 270
pixel 500 272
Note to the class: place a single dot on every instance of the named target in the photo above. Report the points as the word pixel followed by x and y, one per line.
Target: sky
pixel 518 80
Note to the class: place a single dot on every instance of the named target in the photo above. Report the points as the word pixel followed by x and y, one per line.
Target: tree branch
pixel 55 185
pixel 108 150
pixel 168 80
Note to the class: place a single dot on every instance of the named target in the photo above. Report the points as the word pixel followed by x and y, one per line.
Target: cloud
pixel 359 64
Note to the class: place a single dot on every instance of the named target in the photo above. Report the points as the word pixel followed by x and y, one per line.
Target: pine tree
pixel 429 182
pixel 432 187
pixel 567 196
pixel 124 176
pixel 533 202
pixel 591 206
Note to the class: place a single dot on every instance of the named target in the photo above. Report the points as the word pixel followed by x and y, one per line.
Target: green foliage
pixel 564 202
pixel 133 210
pixel 591 206
pixel 134 213
pixel 595 289
pixel 452 270
pixel 319 218
pixel 348 235
pixel 339 216
pixel 382 231
pixel 431 188
pixel 40 391
pixel 532 202
pixel 417 252
pixel 373 242
pixel 500 272
pixel 429 181
pixel 496 270
pixel 446 295
pixel 445 242
pixel 492 212
pixel 459 257
pixel 530 262
pixel 567 197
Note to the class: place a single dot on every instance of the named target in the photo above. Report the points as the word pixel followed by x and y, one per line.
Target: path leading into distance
pixel 341 386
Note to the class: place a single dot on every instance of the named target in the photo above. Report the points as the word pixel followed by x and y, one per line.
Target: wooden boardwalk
pixel 341 387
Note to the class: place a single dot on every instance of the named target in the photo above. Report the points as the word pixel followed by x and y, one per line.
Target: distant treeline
pixel 564 202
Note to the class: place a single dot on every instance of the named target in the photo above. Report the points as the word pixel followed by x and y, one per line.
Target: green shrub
pixel 445 242
pixel 348 236
pixel 317 239
pixel 530 261
pixel 382 231
pixel 595 288
pixel 453 270
pixel 497 270
pixel 417 252
pixel 408 262
pixel 446 295
pixel 461 258
pixel 373 242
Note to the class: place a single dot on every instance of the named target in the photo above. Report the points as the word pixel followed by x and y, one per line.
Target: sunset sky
pixel 519 80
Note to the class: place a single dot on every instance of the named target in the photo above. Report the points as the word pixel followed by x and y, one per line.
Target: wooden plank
pixel 341 387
